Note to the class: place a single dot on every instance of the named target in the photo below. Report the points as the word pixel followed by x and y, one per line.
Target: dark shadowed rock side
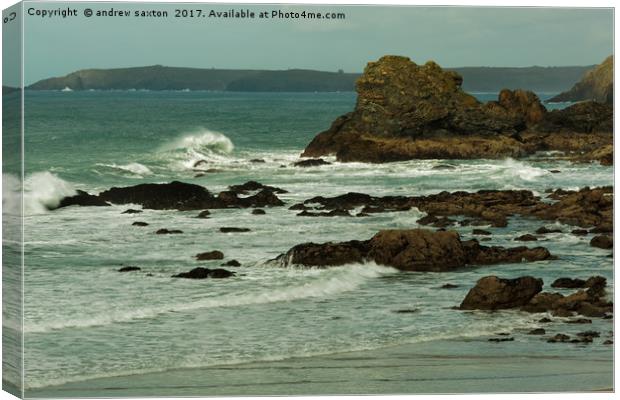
pixel 597 84
pixel 410 250
pixel 585 208
pixel 525 293
pixel 180 196
pixel 407 111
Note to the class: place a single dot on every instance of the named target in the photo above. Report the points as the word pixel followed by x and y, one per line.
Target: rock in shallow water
pixel 493 293
pixel 210 255
pixel 204 273
pixel 410 250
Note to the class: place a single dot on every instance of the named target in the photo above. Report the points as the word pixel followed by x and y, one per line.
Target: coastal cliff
pixel 408 111
pixel 597 84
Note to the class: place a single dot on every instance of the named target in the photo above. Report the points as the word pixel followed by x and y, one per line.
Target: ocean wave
pixel 196 150
pixel 514 322
pixel 42 191
pixel 132 168
pixel 327 283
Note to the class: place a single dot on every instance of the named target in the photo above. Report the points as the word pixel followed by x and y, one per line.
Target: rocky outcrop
pixel 410 250
pixel 181 196
pixel 585 208
pixel 597 84
pixel 82 199
pixel 525 293
pixel 493 293
pixel 407 111
pixel 210 255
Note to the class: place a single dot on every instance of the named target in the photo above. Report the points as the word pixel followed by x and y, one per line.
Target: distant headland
pixel 157 77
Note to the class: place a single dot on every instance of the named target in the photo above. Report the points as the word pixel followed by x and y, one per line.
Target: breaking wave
pixel 199 149
pixel 42 191
pixel 327 283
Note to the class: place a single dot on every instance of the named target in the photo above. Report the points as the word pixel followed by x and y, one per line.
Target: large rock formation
pixel 407 111
pixel 410 250
pixel 180 196
pixel 597 84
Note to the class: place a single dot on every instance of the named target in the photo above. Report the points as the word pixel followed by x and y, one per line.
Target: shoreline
pixel 437 367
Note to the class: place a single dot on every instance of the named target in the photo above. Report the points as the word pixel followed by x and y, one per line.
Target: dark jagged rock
pixel 493 293
pixel 129 268
pixel 175 195
pixel 602 242
pixel 185 196
pixel 312 162
pixel 526 238
pixel 258 211
pixel 204 273
pixel 545 320
pixel 131 211
pixel 140 223
pixel 407 111
pixel 410 250
pixel 234 230
pixel 210 255
pixel 586 207
pixel 165 231
pixel 252 186
pixel 579 232
pixel 82 199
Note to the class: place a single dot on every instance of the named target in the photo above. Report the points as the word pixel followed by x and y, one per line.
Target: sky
pixel 451 36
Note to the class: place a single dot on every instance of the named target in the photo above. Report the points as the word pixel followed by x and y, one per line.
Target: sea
pixel 83 320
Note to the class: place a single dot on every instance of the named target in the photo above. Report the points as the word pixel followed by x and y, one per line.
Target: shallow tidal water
pixel 84 320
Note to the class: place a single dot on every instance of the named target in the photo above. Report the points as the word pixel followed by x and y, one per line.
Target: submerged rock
pixel 234 230
pixel 140 223
pixel 204 273
pixel 204 214
pixel 165 231
pixel 210 255
pixel 232 263
pixel 129 268
pixel 312 162
pixel 131 211
pixel 526 238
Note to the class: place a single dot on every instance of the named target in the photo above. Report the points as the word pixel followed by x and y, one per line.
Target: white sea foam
pixel 328 283
pixel 41 190
pixel 133 168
